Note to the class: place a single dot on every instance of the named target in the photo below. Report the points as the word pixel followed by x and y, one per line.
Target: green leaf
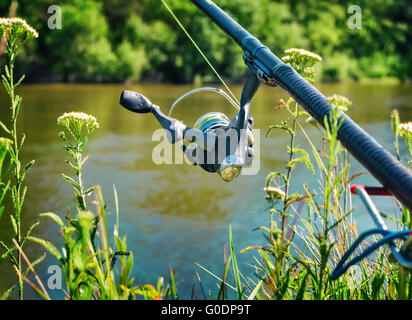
pixel 318 160
pixel 102 209
pixel 54 217
pixel 308 226
pixel 172 279
pixel 22 197
pixel 116 201
pixel 4 190
pixel 294 198
pixel 270 266
pixel 15 201
pixel 8 292
pixel 340 220
pixel 5 128
pixel 71 180
pixel 282 127
pixel 6 69
pixel 80 200
pixel 221 295
pixel 272 175
pixel 282 290
pixel 395 122
pixel 19 81
pixel 14 224
pixel 306 161
pixel 28 166
pixel 128 268
pixel 23 138
pixel 7 249
pixel 89 190
pixel 338 180
pixel 148 291
pixel 302 289
pixel 6 254
pixel 6 84
pixel 29 231
pixel 17 102
pixel 34 263
pixel 234 265
pixel 48 246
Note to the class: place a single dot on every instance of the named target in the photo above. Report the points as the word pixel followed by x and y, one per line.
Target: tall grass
pixel 15 33
pixel 301 253
pixel 88 265
pixel 308 233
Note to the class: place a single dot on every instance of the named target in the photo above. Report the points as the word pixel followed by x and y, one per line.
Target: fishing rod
pixel 272 71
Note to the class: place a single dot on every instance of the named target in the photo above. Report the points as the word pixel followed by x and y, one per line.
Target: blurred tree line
pixel 131 40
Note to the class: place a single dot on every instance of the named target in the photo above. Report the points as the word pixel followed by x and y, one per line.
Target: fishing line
pixel 198 49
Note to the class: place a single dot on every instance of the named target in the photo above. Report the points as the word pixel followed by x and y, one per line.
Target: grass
pixel 15 33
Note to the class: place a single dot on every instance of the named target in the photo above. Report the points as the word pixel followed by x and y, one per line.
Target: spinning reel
pixel 218 144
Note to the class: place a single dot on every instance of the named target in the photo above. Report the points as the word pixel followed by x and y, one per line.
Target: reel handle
pixel 138 103
pixel 135 102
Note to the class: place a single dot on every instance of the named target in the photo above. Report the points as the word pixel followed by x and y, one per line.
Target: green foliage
pixel 5 145
pixel 298 258
pixel 89 271
pixel 15 33
pixel 88 266
pixel 340 66
pixel 79 126
pixel 84 39
pixel 138 39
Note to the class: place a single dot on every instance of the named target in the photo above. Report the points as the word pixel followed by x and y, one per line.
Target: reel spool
pixel 231 165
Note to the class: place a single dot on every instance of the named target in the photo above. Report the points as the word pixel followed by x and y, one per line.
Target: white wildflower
pixel 17 26
pixel 78 124
pixel 302 61
pixel 302 53
pixel 405 130
pixel 274 193
pixel 5 141
pixel 340 102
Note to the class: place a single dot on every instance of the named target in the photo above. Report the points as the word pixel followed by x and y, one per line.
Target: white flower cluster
pixel 341 102
pixel 302 61
pixel 18 25
pixel 302 53
pixel 5 142
pixel 78 119
pixel 274 193
pixel 405 130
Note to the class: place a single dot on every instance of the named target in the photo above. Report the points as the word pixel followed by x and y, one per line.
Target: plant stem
pixel 80 181
pixel 289 172
pixel 17 164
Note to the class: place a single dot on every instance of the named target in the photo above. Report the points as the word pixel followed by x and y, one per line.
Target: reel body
pixel 223 158
pixel 218 144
